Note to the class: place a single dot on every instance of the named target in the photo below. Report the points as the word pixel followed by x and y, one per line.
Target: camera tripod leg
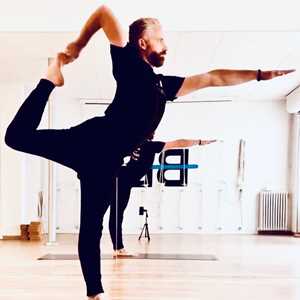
pixel 142 231
pixel 147 235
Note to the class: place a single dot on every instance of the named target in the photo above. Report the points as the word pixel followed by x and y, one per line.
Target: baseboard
pixel 273 232
pixel 11 237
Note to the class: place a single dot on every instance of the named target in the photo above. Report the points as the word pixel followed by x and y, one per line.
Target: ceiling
pixel 212 15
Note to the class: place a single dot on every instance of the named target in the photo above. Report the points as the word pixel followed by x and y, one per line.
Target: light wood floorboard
pixel 249 267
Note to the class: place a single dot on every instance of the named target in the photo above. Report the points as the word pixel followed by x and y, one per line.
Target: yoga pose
pixel 140 162
pixel 95 148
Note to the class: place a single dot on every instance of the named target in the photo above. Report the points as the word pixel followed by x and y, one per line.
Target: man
pixel 129 175
pixel 135 112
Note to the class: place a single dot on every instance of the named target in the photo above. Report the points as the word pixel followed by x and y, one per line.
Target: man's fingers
pixel 289 71
pixel 204 142
pixel 64 58
pixel 208 142
pixel 72 50
pixel 266 75
pixel 284 72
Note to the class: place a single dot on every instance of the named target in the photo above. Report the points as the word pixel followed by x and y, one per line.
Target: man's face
pixel 155 48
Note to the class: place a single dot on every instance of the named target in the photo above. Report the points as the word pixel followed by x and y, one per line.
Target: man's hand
pixel 73 50
pixel 225 77
pixel 267 75
pixel 104 18
pixel 204 142
pixel 64 58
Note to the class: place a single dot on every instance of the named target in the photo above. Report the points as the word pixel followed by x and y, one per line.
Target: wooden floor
pixel 249 267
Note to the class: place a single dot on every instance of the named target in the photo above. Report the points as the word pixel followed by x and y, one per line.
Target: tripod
pixel 145 227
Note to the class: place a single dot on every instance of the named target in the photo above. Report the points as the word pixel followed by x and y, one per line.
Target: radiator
pixel 274 211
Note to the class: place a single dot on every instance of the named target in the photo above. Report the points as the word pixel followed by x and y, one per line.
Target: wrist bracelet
pixel 258 75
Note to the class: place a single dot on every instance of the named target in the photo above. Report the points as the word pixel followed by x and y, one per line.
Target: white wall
pixel 254 15
pixel 263 124
pixel 11 166
pixel 21 177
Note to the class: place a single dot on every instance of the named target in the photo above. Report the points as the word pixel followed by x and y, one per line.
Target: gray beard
pixel 156 59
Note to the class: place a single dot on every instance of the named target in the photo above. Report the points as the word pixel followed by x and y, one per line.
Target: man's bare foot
pixel 54 73
pixel 98 297
pixel 122 253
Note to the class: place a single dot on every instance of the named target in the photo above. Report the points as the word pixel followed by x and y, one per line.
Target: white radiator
pixel 274 211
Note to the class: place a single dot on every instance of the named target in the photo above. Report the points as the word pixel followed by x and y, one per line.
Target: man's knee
pixel 10 138
pixel 14 139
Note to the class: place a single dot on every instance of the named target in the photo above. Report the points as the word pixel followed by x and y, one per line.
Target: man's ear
pixel 142 44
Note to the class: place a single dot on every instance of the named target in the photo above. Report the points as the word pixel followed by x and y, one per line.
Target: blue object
pixel 174 167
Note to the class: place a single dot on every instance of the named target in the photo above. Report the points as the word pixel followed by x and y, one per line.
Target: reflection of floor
pixel 137 256
pixel 248 267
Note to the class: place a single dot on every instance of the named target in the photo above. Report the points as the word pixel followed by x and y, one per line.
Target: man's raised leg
pixel 22 133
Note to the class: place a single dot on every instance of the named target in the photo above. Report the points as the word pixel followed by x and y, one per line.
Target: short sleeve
pixel 171 85
pixel 117 57
pixel 115 51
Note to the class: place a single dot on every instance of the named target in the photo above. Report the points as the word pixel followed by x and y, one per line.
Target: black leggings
pixel 118 205
pixel 82 149
pixel 128 177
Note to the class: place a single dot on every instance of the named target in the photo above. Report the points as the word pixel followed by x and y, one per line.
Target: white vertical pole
pixel 297 173
pixel 51 205
pixel 294 171
pixel 51 187
pixel 1 198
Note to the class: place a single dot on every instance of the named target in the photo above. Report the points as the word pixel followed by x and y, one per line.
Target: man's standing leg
pixel 95 199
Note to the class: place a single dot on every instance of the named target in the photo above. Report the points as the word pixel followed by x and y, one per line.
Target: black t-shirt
pixel 140 98
pixel 140 161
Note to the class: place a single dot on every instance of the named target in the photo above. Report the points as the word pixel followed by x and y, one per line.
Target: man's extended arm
pixel 225 78
pixel 183 143
pixel 103 18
